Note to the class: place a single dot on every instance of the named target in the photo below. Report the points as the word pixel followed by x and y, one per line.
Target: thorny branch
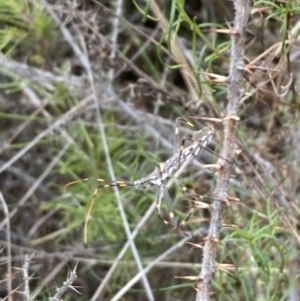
pixel 209 265
pixel 67 284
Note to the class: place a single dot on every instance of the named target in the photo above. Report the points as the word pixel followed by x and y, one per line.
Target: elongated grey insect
pixel 199 140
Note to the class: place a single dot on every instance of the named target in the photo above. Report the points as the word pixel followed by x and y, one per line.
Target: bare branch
pixel 9 267
pixel 26 277
pixel 242 8
pixel 67 284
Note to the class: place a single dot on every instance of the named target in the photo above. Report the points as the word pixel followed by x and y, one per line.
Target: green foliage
pixel 24 23
pixel 281 12
pixel 86 159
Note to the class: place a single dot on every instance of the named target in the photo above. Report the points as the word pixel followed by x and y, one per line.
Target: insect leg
pixel 176 136
pixel 106 184
pixel 162 192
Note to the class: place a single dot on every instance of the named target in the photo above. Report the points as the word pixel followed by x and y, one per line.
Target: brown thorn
pixel 195 245
pixel 229 199
pixel 230 265
pixel 238 151
pixel 233 199
pixel 215 77
pixel 232 226
pixel 234 117
pixel 219 120
pixel 162 167
pixel 224 270
pixel 192 278
pixel 217 167
pixel 214 239
pixel 227 202
pixel 226 31
pixel 198 204
pixel 223 266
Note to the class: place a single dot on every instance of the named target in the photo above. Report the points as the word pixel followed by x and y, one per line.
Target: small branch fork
pixel 209 264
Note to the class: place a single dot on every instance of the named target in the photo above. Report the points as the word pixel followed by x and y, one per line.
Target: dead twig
pixel 209 265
